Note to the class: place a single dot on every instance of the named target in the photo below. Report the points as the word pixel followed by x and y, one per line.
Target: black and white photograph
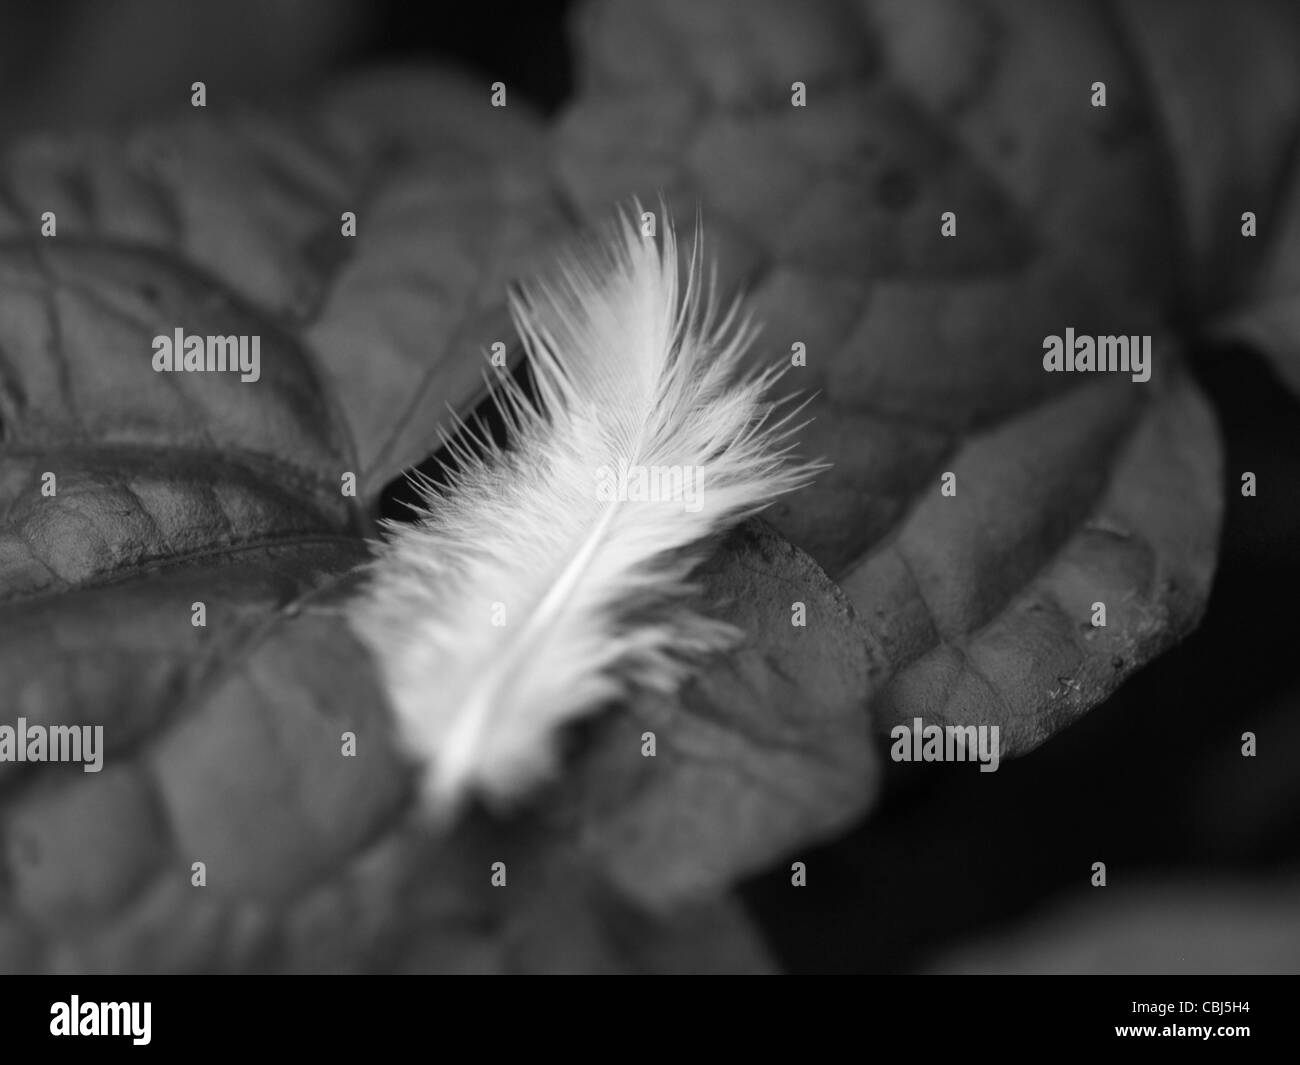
pixel 654 488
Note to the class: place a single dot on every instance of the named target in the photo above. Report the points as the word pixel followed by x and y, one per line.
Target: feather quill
pixel 551 575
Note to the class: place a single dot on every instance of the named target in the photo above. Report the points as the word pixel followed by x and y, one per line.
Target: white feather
pixel 632 366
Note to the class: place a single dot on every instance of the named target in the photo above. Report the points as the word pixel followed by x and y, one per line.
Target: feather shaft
pixel 551 576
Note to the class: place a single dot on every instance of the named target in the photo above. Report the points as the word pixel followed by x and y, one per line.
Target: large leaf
pixel 926 350
pixel 1212 89
pixel 224 741
pixel 243 209
pixel 227 749
pixel 1224 88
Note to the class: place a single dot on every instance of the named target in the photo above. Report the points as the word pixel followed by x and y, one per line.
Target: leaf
pixel 1224 87
pixel 310 861
pixel 767 750
pixel 57 68
pixel 223 743
pixel 246 207
pixel 925 352
pixel 1209 93
pixel 556 915
pixel 983 603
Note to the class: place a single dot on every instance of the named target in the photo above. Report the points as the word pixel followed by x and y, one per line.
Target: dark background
pixel 1152 782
